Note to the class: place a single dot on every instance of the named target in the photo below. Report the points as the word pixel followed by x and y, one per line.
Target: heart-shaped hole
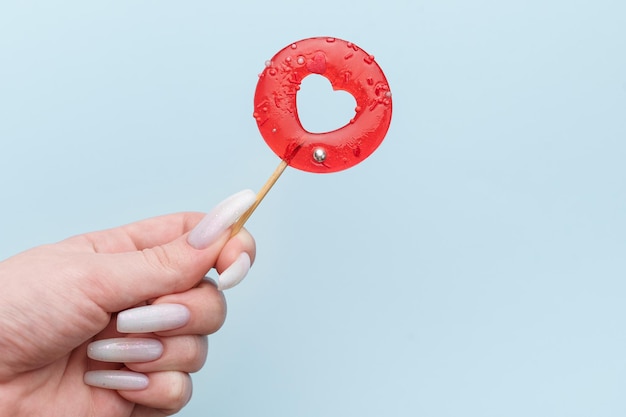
pixel 322 109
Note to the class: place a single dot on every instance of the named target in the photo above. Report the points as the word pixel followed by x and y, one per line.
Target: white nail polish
pixel 152 318
pixel 233 275
pixel 125 349
pixel 220 218
pixel 122 380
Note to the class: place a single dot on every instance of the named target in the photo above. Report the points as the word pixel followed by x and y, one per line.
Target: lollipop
pixel 348 68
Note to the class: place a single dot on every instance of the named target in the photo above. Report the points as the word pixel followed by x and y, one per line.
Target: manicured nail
pixel 124 380
pixel 152 318
pixel 125 349
pixel 220 218
pixel 233 275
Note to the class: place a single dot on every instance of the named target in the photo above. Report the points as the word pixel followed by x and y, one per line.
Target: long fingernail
pixel 124 380
pixel 233 275
pixel 125 349
pixel 220 218
pixel 152 318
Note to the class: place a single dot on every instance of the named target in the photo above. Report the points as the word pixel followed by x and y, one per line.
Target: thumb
pixel 126 279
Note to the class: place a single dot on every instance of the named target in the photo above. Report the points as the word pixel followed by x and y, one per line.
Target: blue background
pixel 474 265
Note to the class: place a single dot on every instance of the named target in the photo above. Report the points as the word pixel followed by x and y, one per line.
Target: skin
pixel 58 298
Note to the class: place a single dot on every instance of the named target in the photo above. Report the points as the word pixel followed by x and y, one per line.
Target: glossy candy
pixel 348 68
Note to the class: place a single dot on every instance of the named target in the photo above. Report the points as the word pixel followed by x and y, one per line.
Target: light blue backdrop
pixel 475 265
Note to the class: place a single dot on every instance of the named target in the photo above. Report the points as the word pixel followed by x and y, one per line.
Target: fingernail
pixel 220 218
pixel 125 349
pixel 233 275
pixel 152 318
pixel 124 380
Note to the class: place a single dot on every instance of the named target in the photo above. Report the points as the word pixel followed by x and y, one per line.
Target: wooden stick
pixel 260 196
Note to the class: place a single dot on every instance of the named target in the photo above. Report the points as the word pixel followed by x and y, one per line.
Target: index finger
pixel 143 234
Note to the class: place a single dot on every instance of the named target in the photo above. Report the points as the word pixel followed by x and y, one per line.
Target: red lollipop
pixel 348 68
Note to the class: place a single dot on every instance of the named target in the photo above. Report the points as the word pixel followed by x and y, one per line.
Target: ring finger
pixel 151 354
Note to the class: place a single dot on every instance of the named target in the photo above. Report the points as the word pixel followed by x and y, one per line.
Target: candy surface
pixel 348 68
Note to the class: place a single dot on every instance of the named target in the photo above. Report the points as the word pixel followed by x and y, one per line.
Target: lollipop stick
pixel 259 197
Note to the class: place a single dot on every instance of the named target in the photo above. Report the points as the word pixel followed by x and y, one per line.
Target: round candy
pixel 348 68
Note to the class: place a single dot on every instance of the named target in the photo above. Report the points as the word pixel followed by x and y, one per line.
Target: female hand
pixel 59 327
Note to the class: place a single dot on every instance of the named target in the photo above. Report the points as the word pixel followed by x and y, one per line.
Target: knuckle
pixel 186 352
pixel 179 392
pixel 213 310
pixel 218 313
pixel 159 258
pixel 197 353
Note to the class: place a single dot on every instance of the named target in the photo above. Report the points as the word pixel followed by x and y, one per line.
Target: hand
pixel 57 299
